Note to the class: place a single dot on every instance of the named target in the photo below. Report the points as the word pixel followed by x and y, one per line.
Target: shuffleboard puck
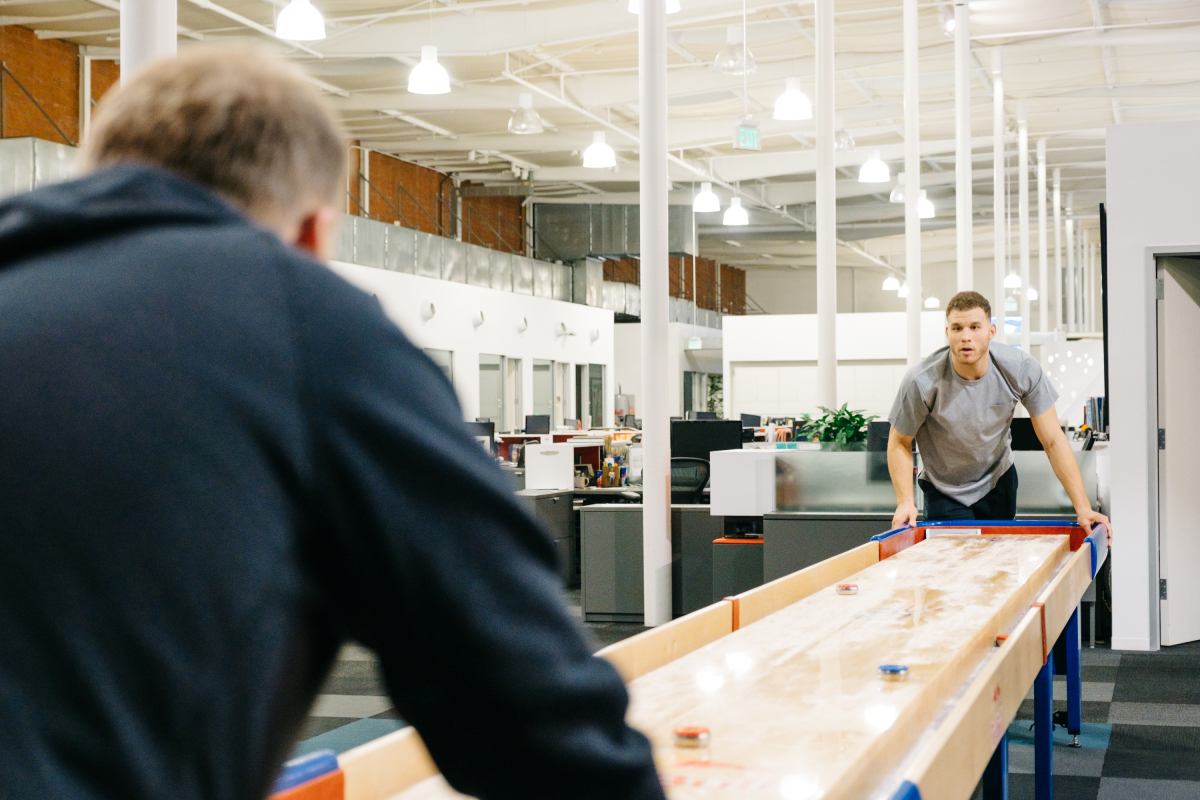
pixel 893 672
pixel 847 588
pixel 691 736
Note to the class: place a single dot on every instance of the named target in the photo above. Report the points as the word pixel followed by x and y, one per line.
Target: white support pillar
pixel 998 220
pixel 1070 268
pixel 148 31
pixel 1058 248
pixel 655 400
pixel 1043 279
pixel 1094 288
pixel 1023 223
pixel 962 146
pixel 85 95
pixel 826 213
pixel 912 177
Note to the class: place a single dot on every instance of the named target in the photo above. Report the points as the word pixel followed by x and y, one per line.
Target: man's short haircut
pixel 967 301
pixel 242 122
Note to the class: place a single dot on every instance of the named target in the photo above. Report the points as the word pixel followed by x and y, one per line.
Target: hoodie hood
pixel 101 204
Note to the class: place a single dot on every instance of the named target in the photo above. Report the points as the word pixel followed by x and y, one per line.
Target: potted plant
pixel 841 430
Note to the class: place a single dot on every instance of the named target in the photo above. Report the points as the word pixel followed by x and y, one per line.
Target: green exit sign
pixel 746 135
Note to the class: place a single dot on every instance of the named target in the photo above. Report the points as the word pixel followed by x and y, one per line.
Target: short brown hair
pixel 965 301
pixel 237 120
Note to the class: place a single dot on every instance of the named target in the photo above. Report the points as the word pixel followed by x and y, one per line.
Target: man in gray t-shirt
pixel 958 404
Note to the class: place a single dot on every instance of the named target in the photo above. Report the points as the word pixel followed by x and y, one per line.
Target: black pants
pixel 999 503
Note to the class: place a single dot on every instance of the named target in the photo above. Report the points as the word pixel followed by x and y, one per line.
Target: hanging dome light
pixel 932 302
pixel 897 195
pixel 1033 295
pixel 599 154
pixel 874 171
pixel 735 58
pixel 842 140
pixel 635 6
pixel 903 293
pixel 706 201
pixel 735 214
pixel 300 22
pixel 890 284
pixel 428 77
pixel 525 120
pixel 793 104
pixel 1012 281
pixel 925 209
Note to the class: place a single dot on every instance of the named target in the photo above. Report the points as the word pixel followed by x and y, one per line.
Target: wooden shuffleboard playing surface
pixel 795 703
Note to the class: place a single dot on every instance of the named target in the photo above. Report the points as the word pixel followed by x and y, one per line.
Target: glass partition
pixel 543 387
pixel 491 390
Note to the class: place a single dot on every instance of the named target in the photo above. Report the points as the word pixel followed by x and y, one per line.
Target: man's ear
pixel 317 232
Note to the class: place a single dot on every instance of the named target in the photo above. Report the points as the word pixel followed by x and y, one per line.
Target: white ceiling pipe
pixel 826 211
pixel 1023 221
pixel 998 241
pixel 912 188
pixel 1058 265
pixel 1043 278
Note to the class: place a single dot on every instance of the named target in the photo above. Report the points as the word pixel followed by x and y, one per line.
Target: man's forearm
pixel 900 468
pixel 1062 460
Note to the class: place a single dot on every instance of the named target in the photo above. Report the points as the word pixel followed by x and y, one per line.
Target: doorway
pixel 596 396
pixel 514 407
pixel 1178 441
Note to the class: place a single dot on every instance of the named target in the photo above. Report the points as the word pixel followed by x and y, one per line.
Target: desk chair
pixel 689 476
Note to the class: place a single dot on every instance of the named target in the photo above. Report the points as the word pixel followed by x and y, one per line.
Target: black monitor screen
pixel 537 423
pixel 484 430
pixel 1023 436
pixel 877 435
pixel 699 438
pixel 751 420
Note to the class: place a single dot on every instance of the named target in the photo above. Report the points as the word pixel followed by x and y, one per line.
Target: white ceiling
pixel 1080 65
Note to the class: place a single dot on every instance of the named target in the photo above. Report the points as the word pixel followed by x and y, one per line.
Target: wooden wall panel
pixel 495 222
pixel 733 290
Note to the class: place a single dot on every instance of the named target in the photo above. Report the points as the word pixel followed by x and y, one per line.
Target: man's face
pixel 969 333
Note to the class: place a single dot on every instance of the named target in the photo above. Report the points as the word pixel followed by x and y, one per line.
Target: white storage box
pixel 550 466
pixel 742 483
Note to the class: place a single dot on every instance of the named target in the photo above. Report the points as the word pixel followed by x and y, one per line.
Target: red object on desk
pixel 330 786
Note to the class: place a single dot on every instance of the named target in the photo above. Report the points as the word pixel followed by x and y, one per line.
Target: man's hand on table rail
pixel 1089 518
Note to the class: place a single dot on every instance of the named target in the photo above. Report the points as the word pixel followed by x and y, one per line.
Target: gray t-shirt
pixel 961 426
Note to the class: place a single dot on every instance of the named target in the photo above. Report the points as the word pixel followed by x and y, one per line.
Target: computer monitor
pixel 537 423
pixel 1023 435
pixel 484 431
pixel 629 421
pixel 699 438
pixel 751 421
pixel 573 424
pixel 878 432
pixel 702 415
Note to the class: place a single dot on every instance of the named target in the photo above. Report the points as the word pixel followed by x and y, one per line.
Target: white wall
pixel 403 296
pixel 1153 189
pixel 628 337
pixel 770 361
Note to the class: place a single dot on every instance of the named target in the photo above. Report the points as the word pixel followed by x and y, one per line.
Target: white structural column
pixel 912 178
pixel 1058 247
pixel 963 187
pixel 1070 278
pixel 962 146
pixel 1023 223
pixel 998 188
pixel 656 434
pixel 826 213
pixel 1043 280
pixel 147 33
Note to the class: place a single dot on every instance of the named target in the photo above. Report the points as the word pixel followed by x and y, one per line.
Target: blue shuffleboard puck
pixel 893 672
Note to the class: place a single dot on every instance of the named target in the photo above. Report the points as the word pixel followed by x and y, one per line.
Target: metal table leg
pixel 995 776
pixel 1074 680
pixel 1043 739
pixel 1092 625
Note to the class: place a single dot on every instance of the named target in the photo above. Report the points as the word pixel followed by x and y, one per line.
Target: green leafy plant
pixel 841 427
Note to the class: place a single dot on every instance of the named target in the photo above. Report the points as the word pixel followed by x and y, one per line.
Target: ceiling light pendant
pixel 897 195
pixel 735 214
pixel 793 104
pixel 706 201
pixel 1033 295
pixel 525 120
pixel 903 293
pixel 1012 281
pixel 428 77
pixel 735 58
pixel 947 22
pixel 599 154
pixel 842 140
pixel 635 6
pixel 874 170
pixel 925 209
pixel 932 302
pixel 890 284
pixel 300 22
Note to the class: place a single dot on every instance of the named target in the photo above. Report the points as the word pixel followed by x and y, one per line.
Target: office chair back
pixel 689 476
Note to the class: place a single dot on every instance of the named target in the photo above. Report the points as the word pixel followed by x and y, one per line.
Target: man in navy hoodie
pixel 219 461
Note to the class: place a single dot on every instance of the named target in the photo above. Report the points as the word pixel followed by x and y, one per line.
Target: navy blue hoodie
pixel 218 462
